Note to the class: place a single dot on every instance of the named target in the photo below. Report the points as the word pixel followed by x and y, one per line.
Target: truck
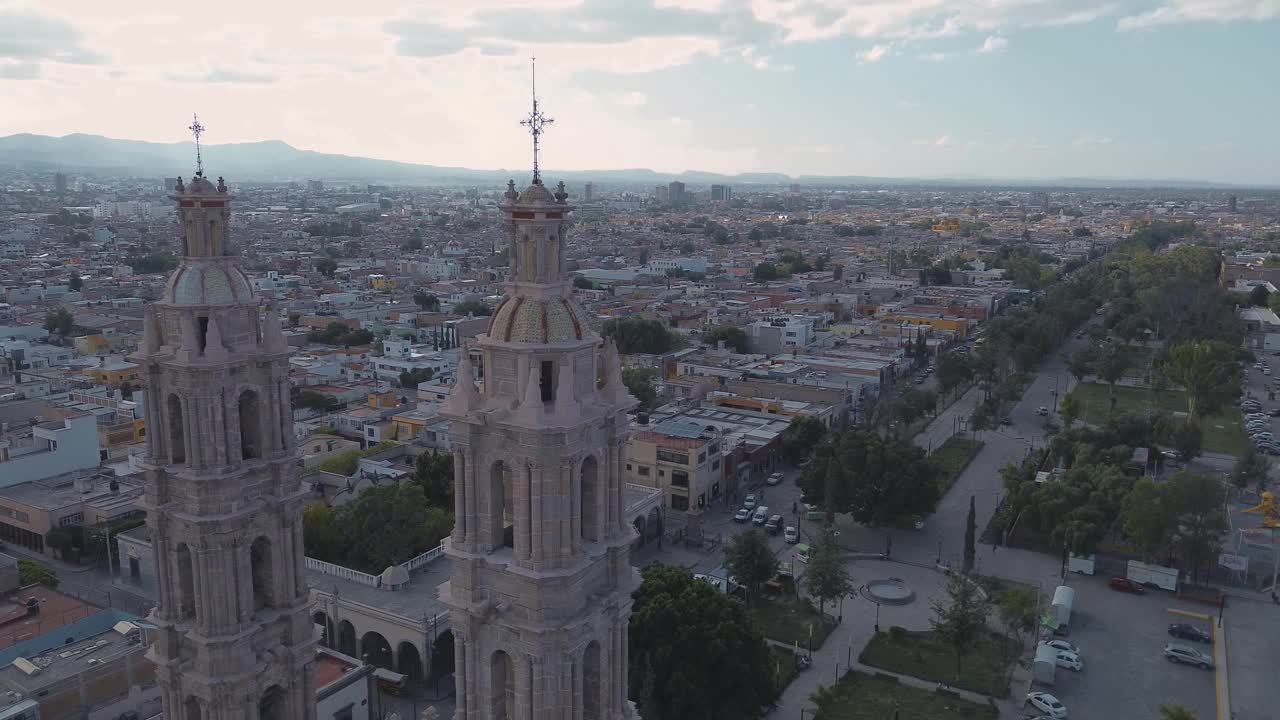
pixel 1045 665
pixel 1154 575
pixel 1082 564
pixel 1060 609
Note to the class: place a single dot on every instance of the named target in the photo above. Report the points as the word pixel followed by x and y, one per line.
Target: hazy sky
pixel 1113 88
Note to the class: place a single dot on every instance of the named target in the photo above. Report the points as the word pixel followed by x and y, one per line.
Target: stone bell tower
pixel 223 497
pixel 540 592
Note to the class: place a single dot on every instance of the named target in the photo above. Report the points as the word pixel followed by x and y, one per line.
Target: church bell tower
pixel 223 496
pixel 540 592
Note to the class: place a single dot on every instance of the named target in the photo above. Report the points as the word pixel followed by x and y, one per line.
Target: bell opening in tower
pixel 546 380
pixel 203 334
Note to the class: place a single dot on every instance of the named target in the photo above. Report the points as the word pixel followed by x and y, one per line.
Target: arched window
pixel 177 431
pixel 501 507
pixel 591 686
pixel 502 685
pixel 263 579
pixel 590 494
pixel 274 704
pixel 186 600
pixel 251 440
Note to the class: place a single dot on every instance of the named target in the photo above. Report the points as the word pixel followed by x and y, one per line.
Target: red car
pixel 1126 585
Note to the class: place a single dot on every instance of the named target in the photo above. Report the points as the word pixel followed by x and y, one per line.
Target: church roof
pixel 536 193
pixel 529 320
pixel 208 283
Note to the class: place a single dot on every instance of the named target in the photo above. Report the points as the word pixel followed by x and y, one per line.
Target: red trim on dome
pixel 577 327
pixel 511 323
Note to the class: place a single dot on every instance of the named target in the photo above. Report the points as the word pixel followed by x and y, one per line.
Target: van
pixel 802 553
pixel 762 514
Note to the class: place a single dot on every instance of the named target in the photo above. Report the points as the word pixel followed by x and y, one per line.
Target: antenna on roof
pixel 196 129
pixel 537 121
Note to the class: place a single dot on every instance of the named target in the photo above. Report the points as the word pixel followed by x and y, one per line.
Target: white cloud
pixel 875 54
pixel 707 6
pixel 633 99
pixel 934 57
pixel 678 121
pixel 1092 142
pixel 1184 11
pixel 820 149
pixel 993 44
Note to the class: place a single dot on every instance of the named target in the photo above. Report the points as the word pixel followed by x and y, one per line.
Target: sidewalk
pixel 59 566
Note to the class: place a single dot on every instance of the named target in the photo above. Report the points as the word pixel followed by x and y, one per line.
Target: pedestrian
pixel 793 508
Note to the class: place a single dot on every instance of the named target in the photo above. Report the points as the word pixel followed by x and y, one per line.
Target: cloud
pixel 706 6
pixel 420 39
pixel 993 44
pixel 934 57
pixel 633 99
pixel 29 37
pixel 820 149
pixel 875 54
pixel 226 75
pixel 1185 11
pixel 677 121
pixel 1092 142
pixel 19 70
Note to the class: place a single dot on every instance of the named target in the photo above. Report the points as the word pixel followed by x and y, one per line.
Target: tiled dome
pixel 537 193
pixel 208 283
pixel 538 321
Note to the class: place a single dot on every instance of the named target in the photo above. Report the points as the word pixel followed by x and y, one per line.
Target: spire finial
pixel 196 129
pixel 536 122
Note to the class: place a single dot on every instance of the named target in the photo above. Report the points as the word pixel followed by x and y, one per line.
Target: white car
pixel 773 479
pixel 1061 645
pixel 1176 653
pixel 791 536
pixel 1047 704
pixel 749 502
pixel 1069 660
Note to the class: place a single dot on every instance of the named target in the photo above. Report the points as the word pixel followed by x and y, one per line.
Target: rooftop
pixel 419 599
pixel 99 638
pixel 56 611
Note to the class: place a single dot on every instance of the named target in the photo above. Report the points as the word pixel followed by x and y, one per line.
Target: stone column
pixel 577 696
pixel 536 531
pixel 461 674
pixel 575 507
pixel 473 497
pixel 184 409
pixel 244 579
pixel 203 590
pixel 164 571
pixel 285 421
pixel 222 453
pixel 565 515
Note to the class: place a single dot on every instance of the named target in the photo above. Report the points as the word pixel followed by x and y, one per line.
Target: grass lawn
pixel 859 696
pixel 788 621
pixel 953 456
pixel 921 655
pixel 782 664
pixel 1222 432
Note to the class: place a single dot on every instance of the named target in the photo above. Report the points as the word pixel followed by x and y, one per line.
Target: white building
pixel 659 266
pixel 36 452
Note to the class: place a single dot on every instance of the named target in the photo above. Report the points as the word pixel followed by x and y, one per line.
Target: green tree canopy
pixel 750 560
pixel 433 472
pixel 639 382
pixel 801 437
pixel 960 621
pixel 472 307
pixel 59 322
pixel 880 481
pixel 638 335
pixel 735 338
pixel 427 301
pixel 1207 370
pixel 767 272
pixel 826 576
pixel 326 266
pixel 694 652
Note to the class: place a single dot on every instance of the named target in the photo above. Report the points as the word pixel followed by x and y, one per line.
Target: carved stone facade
pixel 223 498
pixel 540 593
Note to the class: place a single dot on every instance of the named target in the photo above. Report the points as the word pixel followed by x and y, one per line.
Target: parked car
pixel 1061 645
pixel 1187 631
pixel 1047 704
pixel 1069 660
pixel 1175 653
pixel 791 536
pixel 742 515
pixel 749 502
pixel 773 479
pixel 761 514
pixel 1042 411
pixel 773 525
pixel 1124 584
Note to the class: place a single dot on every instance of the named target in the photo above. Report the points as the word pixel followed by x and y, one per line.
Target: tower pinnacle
pixel 196 129
pixel 537 121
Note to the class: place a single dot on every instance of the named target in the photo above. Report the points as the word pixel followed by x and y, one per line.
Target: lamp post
pixel 877 617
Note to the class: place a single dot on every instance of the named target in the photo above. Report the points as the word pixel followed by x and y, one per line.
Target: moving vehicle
pixel 742 515
pixel 761 514
pixel 1175 653
pixel 773 479
pixel 749 502
pixel 1061 645
pixel 1124 584
pixel 791 535
pixel 1042 411
pixel 1187 631
pixel 1070 661
pixel 773 525
pixel 1047 704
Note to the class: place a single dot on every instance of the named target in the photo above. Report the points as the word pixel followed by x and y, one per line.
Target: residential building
pixel 48 449
pixel 688 470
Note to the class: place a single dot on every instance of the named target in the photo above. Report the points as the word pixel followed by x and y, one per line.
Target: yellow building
pixel 957 325
pixel 382 282
pixel 112 371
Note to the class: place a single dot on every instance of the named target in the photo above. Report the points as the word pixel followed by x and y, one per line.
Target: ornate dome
pixel 536 193
pixel 208 283
pixel 526 320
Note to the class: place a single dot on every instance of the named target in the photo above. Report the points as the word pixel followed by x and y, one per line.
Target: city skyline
pixel 1045 89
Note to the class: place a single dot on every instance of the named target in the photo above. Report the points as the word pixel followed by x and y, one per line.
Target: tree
pixel 411 378
pixel 801 437
pixel 1259 295
pixel 1207 370
pixel 472 307
pixel 1197 500
pixel 1249 468
pixel 326 266
pixel 433 472
pixel 582 283
pixel 766 272
pixel 880 481
pixel 384 525
pixel 735 338
pixel 694 652
pixel 750 560
pixel 970 536
pixel 321 536
pixel 1176 711
pixel 827 577
pixel 1069 410
pixel 75 283
pixel 1183 434
pixel 1149 519
pixel 639 382
pixel 954 369
pixel 317 401
pixel 59 322
pixel 31 572
pixel 1017 609
pixel 426 301
pixel 636 335
pixel 1111 362
pixel 962 622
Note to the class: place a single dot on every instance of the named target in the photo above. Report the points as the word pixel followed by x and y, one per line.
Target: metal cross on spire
pixel 536 122
pixel 196 129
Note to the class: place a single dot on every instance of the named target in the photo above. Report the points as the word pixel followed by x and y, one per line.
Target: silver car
pixel 1176 653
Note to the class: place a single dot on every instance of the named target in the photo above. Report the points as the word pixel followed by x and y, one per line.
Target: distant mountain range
pixel 274 160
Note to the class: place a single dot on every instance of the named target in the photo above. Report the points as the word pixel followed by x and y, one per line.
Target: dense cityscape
pixel 287 434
